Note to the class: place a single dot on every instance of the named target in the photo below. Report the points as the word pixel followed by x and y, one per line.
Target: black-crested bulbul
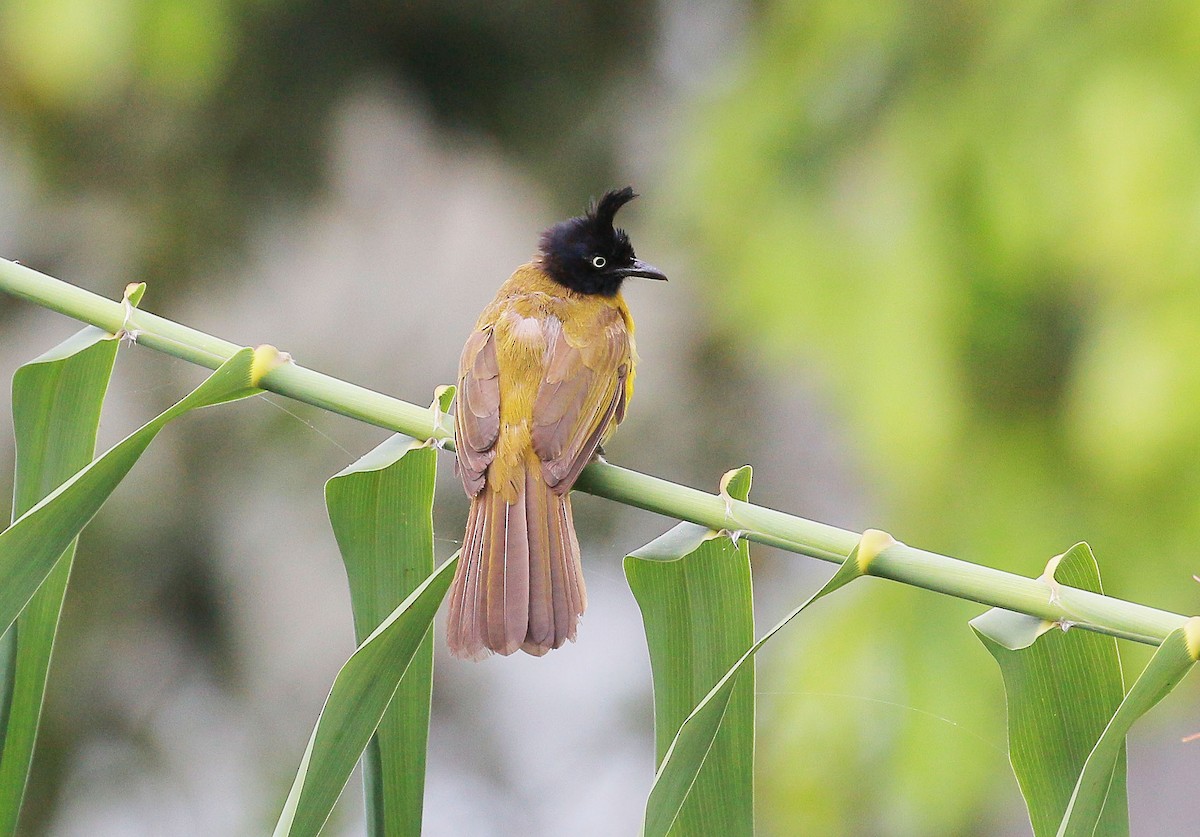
pixel 544 380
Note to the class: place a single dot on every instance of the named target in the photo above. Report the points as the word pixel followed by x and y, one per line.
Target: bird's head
pixel 588 254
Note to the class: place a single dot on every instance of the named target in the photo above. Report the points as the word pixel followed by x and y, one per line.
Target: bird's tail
pixel 519 583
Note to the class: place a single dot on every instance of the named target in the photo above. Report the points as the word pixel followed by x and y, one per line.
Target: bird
pixel 544 379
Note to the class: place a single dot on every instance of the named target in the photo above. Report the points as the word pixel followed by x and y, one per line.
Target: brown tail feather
pixel 540 634
pixel 519 582
pixel 465 634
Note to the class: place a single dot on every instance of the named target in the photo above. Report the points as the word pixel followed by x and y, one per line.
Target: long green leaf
pixel 1170 663
pixel 381 509
pixel 31 546
pixel 686 582
pixel 360 695
pixel 1062 689
pixel 689 749
pixel 56 402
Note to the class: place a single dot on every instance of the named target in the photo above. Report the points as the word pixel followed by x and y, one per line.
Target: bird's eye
pixel 599 262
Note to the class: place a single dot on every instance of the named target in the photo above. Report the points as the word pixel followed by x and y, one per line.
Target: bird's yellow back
pixel 516 318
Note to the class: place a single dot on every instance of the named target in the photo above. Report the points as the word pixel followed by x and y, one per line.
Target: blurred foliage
pixel 191 116
pixel 979 220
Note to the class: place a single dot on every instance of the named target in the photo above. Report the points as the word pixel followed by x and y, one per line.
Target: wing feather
pixel 477 411
pixel 582 391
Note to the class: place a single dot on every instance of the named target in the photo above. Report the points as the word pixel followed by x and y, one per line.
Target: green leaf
pixel 56 402
pixel 1170 663
pixel 360 695
pixel 381 509
pixel 1062 689
pixel 31 546
pixel 691 747
pixel 686 582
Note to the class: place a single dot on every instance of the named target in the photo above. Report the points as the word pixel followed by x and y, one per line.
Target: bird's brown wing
pixel 582 391
pixel 477 409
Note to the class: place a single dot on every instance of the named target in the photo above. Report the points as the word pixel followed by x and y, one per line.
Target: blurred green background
pixel 935 269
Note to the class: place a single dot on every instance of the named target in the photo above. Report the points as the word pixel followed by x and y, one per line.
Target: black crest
pixel 588 253
pixel 604 210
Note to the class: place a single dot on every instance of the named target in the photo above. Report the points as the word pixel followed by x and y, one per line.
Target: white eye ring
pixel 599 262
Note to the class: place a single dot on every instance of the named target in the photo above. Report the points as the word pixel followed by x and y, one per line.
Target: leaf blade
pixel 1062 689
pixel 30 547
pixel 681 600
pixel 381 510
pixel 358 699
pixel 1169 665
pixel 57 399
pixel 691 746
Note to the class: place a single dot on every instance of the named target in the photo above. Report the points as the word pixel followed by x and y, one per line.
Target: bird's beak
pixel 646 271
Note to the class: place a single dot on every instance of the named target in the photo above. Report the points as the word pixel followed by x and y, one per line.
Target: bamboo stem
pixel 901 563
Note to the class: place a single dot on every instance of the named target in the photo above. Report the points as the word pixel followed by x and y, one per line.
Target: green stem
pixel 795 534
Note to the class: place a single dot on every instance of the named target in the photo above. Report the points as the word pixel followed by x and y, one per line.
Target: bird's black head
pixel 588 254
